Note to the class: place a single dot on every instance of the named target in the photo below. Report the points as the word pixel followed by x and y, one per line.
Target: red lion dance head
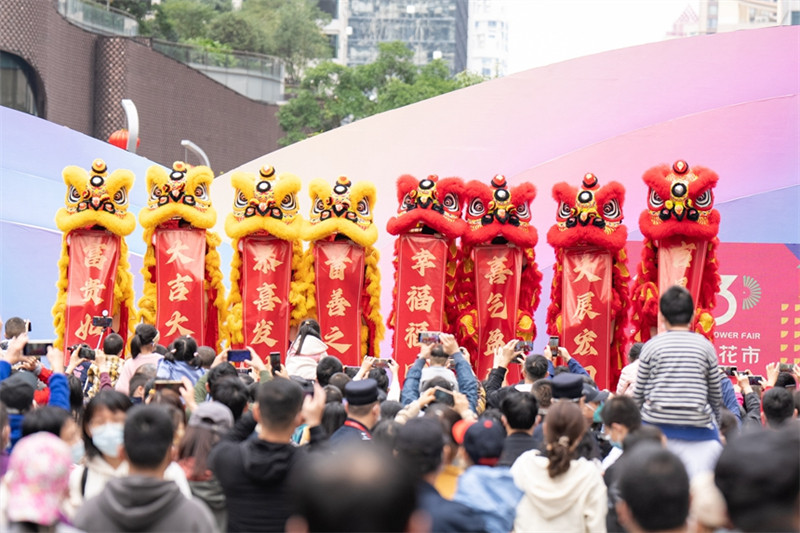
pixel 680 208
pixel 497 214
pixel 591 216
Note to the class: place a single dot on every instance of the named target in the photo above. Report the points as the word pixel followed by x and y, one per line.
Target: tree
pixel 331 95
pixel 238 31
pixel 188 19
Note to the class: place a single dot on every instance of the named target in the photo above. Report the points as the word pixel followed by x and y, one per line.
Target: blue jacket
pixel 446 515
pixel 177 370
pixel 491 492
pixel 573 365
pixel 467 382
pixel 729 398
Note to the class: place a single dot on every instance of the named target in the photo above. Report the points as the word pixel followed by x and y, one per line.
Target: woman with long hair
pixel 181 361
pixel 306 350
pixel 562 492
pixel 143 352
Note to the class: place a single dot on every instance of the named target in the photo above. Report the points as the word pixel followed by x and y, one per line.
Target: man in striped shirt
pixel 678 385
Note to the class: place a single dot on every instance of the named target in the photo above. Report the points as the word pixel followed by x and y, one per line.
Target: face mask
pixel 596 418
pixel 137 401
pixel 108 438
pixel 77 450
pixel 616 444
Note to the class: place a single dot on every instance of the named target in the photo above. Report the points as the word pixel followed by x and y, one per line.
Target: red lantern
pixel 120 139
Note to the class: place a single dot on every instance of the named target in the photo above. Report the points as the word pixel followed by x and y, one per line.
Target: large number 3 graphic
pixel 726 281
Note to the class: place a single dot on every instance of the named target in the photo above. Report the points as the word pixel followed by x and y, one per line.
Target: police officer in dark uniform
pixel 363 412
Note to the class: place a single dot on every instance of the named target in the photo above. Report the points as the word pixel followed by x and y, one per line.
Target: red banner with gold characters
pixel 680 262
pixel 180 279
pixel 421 268
pixel 586 313
pixel 266 275
pixel 339 269
pixel 497 283
pixel 93 257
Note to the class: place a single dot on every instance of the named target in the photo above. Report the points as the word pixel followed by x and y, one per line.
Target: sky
pixel 542 32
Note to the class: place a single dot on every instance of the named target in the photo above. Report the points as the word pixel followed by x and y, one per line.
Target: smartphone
pixel 172 384
pixel 275 361
pixel 428 337
pixel 755 380
pixel 28 325
pixel 786 367
pixel 36 348
pixel 237 356
pixel 553 344
pixel 728 370
pixel 380 363
pixel 101 321
pixel 524 346
pixel 444 396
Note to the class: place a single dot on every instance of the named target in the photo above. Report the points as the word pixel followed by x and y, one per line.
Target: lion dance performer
pixel 498 282
pixel 680 227
pixel 183 291
pixel 95 283
pixel 589 298
pixel 265 298
pixel 428 223
pixel 341 268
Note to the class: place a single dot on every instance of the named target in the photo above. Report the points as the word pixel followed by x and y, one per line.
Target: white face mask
pixel 78 450
pixel 108 438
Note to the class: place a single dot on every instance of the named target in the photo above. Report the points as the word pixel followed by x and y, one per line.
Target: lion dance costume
pixel 680 227
pixel 266 297
pixel 428 223
pixel 94 273
pixel 183 291
pixel 589 298
pixel 498 283
pixel 341 268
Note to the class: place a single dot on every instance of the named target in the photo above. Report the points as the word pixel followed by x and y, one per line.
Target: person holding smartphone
pixel 306 351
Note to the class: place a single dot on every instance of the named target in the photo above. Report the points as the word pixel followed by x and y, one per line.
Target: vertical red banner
pixel 586 310
pixel 266 278
pixel 498 272
pixel 339 270
pixel 93 258
pixel 180 280
pixel 680 262
pixel 422 263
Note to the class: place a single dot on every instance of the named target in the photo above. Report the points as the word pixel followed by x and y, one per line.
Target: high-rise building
pixel 717 16
pixel 337 29
pixel 487 50
pixel 433 29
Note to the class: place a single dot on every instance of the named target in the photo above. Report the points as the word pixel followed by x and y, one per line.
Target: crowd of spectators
pixel 177 438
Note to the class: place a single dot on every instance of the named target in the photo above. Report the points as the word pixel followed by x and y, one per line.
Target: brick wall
pixel 83 76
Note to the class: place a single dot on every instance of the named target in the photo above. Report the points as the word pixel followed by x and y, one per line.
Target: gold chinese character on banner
pixel 682 255
pixel 86 329
pixel 422 261
pixel 337 266
pixel 338 304
pixel 496 306
pixel 584 307
pixel 175 254
pixel 91 291
pixel 584 270
pixel 412 333
pixel 261 333
pixel 498 272
pixel 266 260
pixel 93 255
pixel 178 289
pixel 266 297
pixel 494 341
pixel 583 342
pixel 334 335
pixel 174 325
pixel 419 298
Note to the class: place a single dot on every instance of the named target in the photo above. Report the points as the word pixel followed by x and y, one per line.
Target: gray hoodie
pixel 138 503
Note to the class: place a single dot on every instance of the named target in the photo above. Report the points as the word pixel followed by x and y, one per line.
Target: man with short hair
pixel 363 412
pixel 437 361
pixel 328 366
pixel 777 406
pixel 253 473
pixel 654 491
pixel 758 473
pixel 620 416
pixel 678 385
pixel 419 445
pixel 519 418
pixel 143 500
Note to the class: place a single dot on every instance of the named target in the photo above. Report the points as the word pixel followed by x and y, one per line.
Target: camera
pixel 84 351
pixel 101 321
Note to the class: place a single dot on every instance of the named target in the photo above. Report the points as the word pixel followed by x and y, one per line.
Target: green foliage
pixel 331 95
pixel 238 31
pixel 187 18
